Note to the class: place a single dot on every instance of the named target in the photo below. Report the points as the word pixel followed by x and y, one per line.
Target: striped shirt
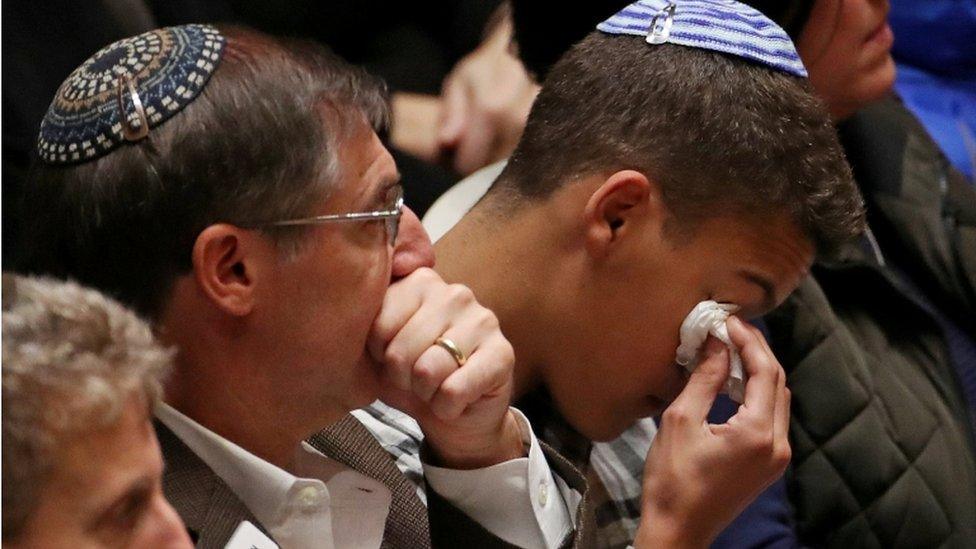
pixel 613 469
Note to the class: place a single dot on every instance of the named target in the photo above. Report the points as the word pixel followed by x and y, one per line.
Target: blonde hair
pixel 72 360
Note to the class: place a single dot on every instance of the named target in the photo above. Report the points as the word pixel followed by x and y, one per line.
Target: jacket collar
pixel 208 507
pixel 350 443
pixel 922 212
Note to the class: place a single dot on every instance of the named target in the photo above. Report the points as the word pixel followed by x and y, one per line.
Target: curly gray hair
pixel 72 360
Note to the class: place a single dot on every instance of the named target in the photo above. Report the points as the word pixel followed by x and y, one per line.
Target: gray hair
pixel 72 360
pixel 259 144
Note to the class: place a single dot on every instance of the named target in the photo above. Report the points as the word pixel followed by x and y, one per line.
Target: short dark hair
pixel 258 144
pixel 717 132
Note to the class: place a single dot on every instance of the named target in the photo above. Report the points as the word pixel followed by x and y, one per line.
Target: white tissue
pixel 708 317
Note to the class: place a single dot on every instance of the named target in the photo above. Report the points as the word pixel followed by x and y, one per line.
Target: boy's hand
pixel 463 410
pixel 699 477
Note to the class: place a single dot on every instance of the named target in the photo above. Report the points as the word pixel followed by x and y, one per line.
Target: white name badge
pixel 247 536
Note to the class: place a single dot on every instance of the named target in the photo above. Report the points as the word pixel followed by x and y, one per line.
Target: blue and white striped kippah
pixel 724 26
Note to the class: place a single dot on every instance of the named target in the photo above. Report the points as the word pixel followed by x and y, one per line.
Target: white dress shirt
pixel 323 503
pixel 514 500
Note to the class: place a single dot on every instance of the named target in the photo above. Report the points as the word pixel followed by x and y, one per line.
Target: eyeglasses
pixel 391 216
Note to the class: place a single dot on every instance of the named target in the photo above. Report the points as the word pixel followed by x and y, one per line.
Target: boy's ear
pixel 227 264
pixel 618 207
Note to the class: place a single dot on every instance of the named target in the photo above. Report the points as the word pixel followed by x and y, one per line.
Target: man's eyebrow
pixel 392 180
pixel 135 494
pixel 769 290
pixel 385 183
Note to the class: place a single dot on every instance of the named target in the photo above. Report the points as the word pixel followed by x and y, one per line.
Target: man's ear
pixel 226 263
pixel 616 208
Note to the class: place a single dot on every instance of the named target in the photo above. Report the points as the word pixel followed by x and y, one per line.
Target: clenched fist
pixel 463 410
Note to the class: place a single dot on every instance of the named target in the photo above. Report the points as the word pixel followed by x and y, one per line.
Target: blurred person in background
pixel 936 58
pixel 880 345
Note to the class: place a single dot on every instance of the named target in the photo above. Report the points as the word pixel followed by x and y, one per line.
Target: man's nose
pixel 171 532
pixel 413 249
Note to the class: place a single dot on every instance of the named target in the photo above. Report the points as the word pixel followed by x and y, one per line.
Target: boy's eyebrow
pixel 768 288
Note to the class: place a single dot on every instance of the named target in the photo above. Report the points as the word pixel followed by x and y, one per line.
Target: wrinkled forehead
pixel 364 165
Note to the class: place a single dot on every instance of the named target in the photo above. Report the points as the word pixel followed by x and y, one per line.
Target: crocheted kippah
pixel 126 89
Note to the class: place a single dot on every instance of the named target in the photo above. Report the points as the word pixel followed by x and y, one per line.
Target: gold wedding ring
pixel 448 345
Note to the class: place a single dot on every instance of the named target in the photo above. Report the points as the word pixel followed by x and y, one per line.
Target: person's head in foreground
pixel 649 178
pixel 243 201
pixel 81 465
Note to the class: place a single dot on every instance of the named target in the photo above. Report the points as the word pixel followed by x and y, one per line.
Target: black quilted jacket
pixel 883 444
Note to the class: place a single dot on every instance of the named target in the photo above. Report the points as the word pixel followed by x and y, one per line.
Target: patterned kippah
pixel 724 26
pixel 126 89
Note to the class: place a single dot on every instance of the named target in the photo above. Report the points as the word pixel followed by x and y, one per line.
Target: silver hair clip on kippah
pixel 131 130
pixel 127 88
pixel 660 28
pixel 724 26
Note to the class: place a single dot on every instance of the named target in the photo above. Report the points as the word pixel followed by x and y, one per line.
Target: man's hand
pixel 463 411
pixel 699 477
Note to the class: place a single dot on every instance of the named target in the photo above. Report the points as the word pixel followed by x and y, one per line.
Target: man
pixel 879 344
pixel 81 465
pixel 232 188
pixel 651 177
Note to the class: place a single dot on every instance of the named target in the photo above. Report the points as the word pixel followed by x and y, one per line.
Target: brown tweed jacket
pixel 212 511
